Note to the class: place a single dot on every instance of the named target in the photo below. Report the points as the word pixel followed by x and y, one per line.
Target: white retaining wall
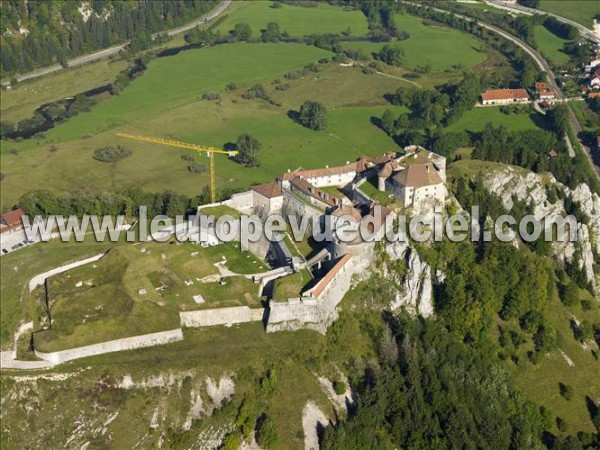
pixel 220 316
pixel 130 343
pixel 38 280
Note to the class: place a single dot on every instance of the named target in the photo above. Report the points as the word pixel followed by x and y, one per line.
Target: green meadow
pixel 476 120
pixel 550 45
pixel 296 21
pixel 440 47
pixel 581 11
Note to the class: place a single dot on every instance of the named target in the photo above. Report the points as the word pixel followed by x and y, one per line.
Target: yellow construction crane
pixel 210 151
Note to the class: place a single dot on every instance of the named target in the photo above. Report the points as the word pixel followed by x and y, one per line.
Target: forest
pixel 40 33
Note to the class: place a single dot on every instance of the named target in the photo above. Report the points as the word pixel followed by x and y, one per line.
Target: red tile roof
pixel 269 190
pixel 11 219
pixel 541 86
pixel 418 175
pixel 505 94
pixel 329 276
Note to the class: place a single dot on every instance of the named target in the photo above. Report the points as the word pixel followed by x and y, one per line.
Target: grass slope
pixel 181 79
pixel 476 120
pixel 581 11
pixel 550 45
pixel 441 47
pixel 297 21
pixel 21 101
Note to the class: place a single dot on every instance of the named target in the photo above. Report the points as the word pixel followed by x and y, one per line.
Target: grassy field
pixel 21 101
pixel 442 48
pixel 540 381
pixel 590 121
pixel 581 11
pixel 350 133
pixel 243 352
pixel 110 302
pixel 475 120
pixel 297 21
pixel 19 267
pixel 550 45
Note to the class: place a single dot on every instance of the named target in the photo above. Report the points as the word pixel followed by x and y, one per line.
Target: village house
pixel 594 81
pixel 543 91
pixel 504 96
pixel 11 221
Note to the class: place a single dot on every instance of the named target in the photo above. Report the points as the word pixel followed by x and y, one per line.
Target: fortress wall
pixel 220 316
pixel 117 345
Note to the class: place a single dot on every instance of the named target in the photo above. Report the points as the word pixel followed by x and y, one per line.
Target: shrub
pixel 197 168
pixel 561 424
pixel 266 435
pixel 566 391
pixel 111 153
pixel 586 305
pixel 211 96
pixel 187 157
pixel 231 442
pixel 231 86
pixel 339 387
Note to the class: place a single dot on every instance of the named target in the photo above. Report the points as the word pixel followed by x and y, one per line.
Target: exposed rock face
pixel 531 188
pixel 415 293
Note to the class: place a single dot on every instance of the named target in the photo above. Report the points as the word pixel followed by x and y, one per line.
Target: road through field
pixel 117 48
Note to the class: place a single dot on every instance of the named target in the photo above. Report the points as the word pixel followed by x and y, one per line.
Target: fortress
pixel 414 183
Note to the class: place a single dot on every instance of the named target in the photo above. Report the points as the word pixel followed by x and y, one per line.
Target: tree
pixel 6 128
pixel 566 391
pixel 199 36
pixel 392 55
pixel 271 33
pixel 387 122
pixel 313 115
pixel 529 3
pixel 248 148
pixel 242 31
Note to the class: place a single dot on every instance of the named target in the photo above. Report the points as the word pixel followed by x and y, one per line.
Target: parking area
pixel 11 241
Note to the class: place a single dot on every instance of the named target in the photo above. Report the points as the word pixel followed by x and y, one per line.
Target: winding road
pixel 222 6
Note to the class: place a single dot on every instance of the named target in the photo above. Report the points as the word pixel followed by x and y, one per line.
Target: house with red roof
pixel 504 96
pixel 11 221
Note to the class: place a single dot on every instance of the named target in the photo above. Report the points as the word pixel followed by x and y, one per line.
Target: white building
pixel 419 185
pixel 267 198
pixel 504 97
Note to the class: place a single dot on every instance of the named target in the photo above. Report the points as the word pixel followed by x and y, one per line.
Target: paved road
pixel 117 48
pixel 585 32
pixel 544 66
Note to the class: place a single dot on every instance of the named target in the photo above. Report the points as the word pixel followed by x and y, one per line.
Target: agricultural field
pixel 550 45
pixel 295 20
pixel 440 47
pixel 23 99
pixel 475 120
pixel 581 11
pixel 140 289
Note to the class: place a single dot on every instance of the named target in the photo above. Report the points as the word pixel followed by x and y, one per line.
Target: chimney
pixel 427 167
pixel 289 170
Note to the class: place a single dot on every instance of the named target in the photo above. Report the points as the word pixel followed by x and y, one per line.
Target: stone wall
pixel 117 345
pixel 315 313
pixel 38 280
pixel 220 316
